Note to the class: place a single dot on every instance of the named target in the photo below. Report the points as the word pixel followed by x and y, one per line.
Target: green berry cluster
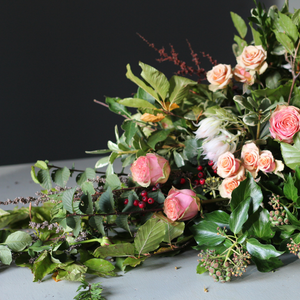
pixel 277 215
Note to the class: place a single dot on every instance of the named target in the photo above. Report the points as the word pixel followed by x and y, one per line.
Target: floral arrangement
pixel 213 166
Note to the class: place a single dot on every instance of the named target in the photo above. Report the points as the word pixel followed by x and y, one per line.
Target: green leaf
pixel 296 17
pixel 261 251
pixel 200 269
pixel 113 181
pixel 206 233
pixel 86 205
pixel 256 36
pixel 158 136
pixel 44 179
pixel 89 173
pixel 291 155
pixel 286 26
pixel 141 83
pixel 289 189
pixel 116 107
pixel 33 175
pixel 102 151
pixel 5 255
pixel 267 265
pixel 173 230
pixel 61 176
pixel 102 162
pixel 18 241
pixel 241 44
pixel 41 164
pixel 219 217
pixel 109 169
pixel 97 222
pixel 278 50
pixel 130 129
pixel 75 223
pixel 106 201
pixel 67 199
pixel 72 272
pixel 42 266
pixel 191 150
pixel 273 80
pixel 293 220
pixel 133 261
pixel 116 250
pixel 242 101
pixel 247 188
pixel 250 119
pixel 179 88
pixel 262 226
pixel 149 236
pixel 156 79
pixel 137 103
pixel 88 187
pixel 142 94
pixel 239 24
pixel 239 215
pixel 122 222
pixel 179 161
pixel 100 266
pixel 284 40
pixel 3 212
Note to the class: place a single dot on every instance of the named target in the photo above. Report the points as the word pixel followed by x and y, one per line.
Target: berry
pixel 199 168
pixel 202 181
pixel 144 193
pixel 142 205
pixel 215 171
pixel 126 201
pixel 200 174
pixel 158 185
pixel 196 182
pixel 150 200
pixel 182 181
pixel 154 188
pixel 210 163
pixel 145 198
pixel 136 202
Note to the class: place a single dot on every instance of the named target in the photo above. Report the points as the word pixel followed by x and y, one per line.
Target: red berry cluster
pixel 145 200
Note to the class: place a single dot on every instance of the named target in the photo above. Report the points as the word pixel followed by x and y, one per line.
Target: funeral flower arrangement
pixel 213 166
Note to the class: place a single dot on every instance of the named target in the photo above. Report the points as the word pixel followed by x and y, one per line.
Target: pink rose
pixel 227 165
pixel 241 75
pixel 284 123
pixel 253 58
pixel 219 77
pixel 181 204
pixel 250 155
pixel 230 183
pixel 150 169
pixel 268 164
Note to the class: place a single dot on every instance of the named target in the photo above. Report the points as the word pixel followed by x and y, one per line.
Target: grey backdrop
pixel 57 56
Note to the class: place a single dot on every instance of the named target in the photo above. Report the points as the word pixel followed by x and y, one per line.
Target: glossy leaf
pixel 149 236
pixel 289 189
pixel 206 233
pixel 261 251
pixel 219 217
pixel 18 241
pixel 88 187
pixel 113 181
pixel 267 265
pixel 239 215
pixel 262 227
pixel 291 155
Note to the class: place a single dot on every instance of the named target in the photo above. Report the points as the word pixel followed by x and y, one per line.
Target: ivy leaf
pixel 262 226
pixel 100 266
pixel 18 241
pixel 42 266
pixel 179 88
pixel 219 217
pixel 61 176
pixel 89 173
pixel 261 251
pixel 239 215
pixel 116 250
pixel 247 188
pixel 5 255
pixel 290 190
pixel 149 236
pixel 239 24
pixel 44 179
pixel 206 233
pixel 267 265
pixel 158 136
pixel 67 199
pixel 156 79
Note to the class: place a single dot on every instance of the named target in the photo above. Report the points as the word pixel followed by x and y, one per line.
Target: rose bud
pixel 150 170
pixel 181 205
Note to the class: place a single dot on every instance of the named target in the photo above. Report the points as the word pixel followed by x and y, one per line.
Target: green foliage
pixel 93 292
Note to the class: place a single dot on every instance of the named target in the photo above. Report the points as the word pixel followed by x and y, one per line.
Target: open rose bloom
pixel 219 77
pixel 150 169
pixel 228 165
pixel 285 123
pixel 250 156
pixel 181 205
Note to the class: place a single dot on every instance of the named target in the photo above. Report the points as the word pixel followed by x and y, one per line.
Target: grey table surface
pixel 157 278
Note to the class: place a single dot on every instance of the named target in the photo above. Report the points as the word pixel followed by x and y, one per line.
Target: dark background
pixel 57 56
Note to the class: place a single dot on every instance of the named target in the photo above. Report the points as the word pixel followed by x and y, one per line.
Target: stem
pixel 229 251
pixel 105 105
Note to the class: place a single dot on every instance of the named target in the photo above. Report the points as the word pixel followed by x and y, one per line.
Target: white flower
pixel 219 145
pixel 208 128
